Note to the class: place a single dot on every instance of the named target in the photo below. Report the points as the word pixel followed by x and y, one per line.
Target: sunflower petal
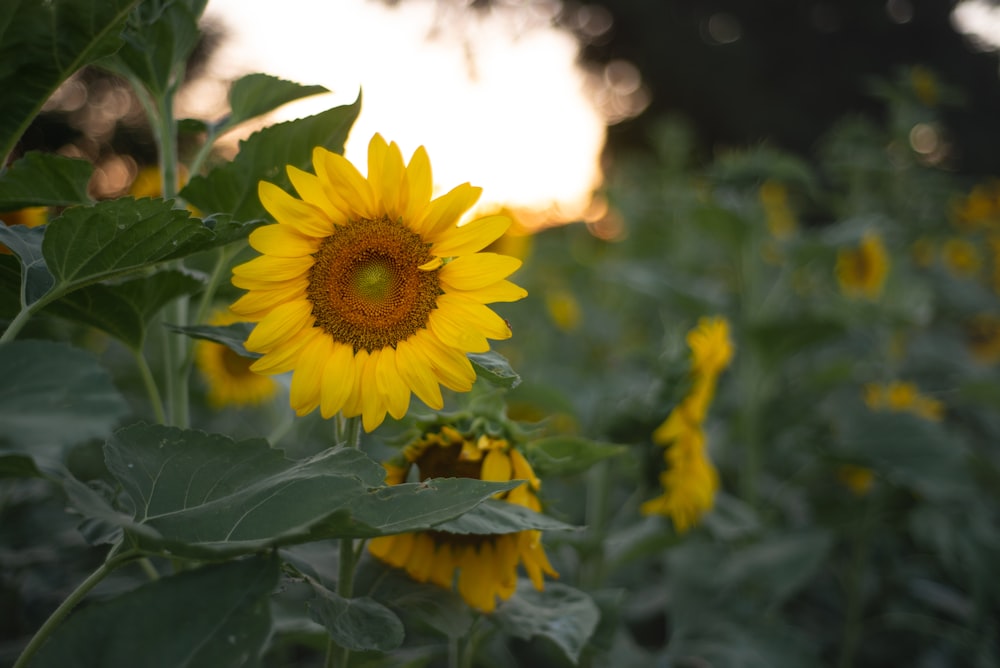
pixel 478 270
pixel 282 241
pixel 417 185
pixel 311 190
pixel 418 374
pixel 255 304
pixel 344 179
pixel 281 324
pixel 373 403
pixel 352 405
pixel 445 211
pixel 286 356
pixel 471 237
pixel 307 378
pixel 474 315
pixel 286 209
pixel 453 369
pixel 453 329
pixel 385 173
pixel 395 391
pixel 270 268
pixel 338 379
pixel 501 291
pixel 496 466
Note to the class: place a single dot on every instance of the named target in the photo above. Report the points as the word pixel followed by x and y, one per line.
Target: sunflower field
pixel 269 410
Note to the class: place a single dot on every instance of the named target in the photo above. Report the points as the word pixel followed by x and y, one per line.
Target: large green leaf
pixel 43 43
pixel 359 624
pixel 418 604
pixel 18 466
pixel 26 243
pixel 232 336
pixel 256 94
pixel 201 494
pixel 493 517
pixel 54 396
pixel 44 179
pixel 214 616
pixel 158 39
pixel 232 186
pixel 564 615
pixel 124 310
pixel 566 455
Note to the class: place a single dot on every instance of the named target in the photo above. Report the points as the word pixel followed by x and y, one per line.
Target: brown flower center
pixel 366 286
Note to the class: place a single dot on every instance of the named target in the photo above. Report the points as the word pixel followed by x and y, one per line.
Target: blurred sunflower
pixel 228 376
pixel 32 216
pixel 902 397
pixel 861 271
pixel 961 257
pixel 690 480
pixel 982 334
pixel 780 218
pixel 368 289
pixel 486 565
pixel 858 479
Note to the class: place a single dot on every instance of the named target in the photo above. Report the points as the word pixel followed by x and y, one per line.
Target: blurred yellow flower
pixel 32 216
pixel 690 480
pixel 483 567
pixel 902 397
pixel 563 309
pixel 961 257
pixel 780 218
pixel 368 290
pixel 982 334
pixel 980 208
pixel 859 479
pixel 228 376
pixel 862 270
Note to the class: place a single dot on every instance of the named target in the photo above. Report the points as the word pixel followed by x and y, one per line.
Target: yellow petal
pixel 422 559
pixel 382 547
pixel 285 357
pixel 270 268
pixel 418 374
pixel 501 291
pixel 255 304
pixel 522 469
pixel 311 190
pixel 474 315
pixel 474 580
pixel 453 368
pixel 282 241
pixel 455 331
pixel 338 379
pixel 286 209
pixel 307 378
pixel 444 212
pixel 478 270
pixel 393 389
pixel 385 173
pixel 281 324
pixel 352 405
pixel 345 181
pixel 496 467
pixel 417 184
pixel 443 571
pixel 373 405
pixel 471 237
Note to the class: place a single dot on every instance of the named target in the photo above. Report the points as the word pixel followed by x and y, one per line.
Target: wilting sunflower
pixel 368 289
pixel 482 567
pixel 228 376
pixel 861 271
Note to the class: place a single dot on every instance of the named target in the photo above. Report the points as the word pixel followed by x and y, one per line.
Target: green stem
pixel 749 371
pixel 151 389
pixel 71 602
pixel 854 604
pixel 147 567
pixel 16 325
pixel 208 294
pixel 454 652
pixel 596 513
pixel 349 433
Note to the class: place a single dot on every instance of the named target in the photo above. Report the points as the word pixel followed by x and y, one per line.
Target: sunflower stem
pixel 16 325
pixel 454 652
pixel 854 605
pixel 749 371
pixel 349 434
pixel 155 400
pixel 110 564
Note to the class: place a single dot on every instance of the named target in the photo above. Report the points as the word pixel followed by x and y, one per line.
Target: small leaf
pixel 44 179
pixel 41 45
pixel 201 494
pixel 256 94
pixel 115 237
pixel 494 517
pixel 358 624
pixel 214 616
pixel 232 186
pixel 232 336
pixel 26 244
pixel 566 616
pixel 495 368
pixel 54 396
pixel 567 455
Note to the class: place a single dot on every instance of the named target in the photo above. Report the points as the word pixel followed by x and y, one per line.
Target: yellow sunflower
pixel 486 565
pixel 982 334
pixel 781 220
pixel 368 289
pixel 228 376
pixel 861 271
pixel 961 257
pixel 858 479
pixel 902 397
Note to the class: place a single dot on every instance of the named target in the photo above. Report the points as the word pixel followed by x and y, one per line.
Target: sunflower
pixel 228 376
pixel 902 397
pixel 861 271
pixel 367 289
pixel 961 257
pixel 486 565
pixel 982 334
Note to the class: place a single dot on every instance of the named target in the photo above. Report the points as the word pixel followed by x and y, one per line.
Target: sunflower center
pixel 366 285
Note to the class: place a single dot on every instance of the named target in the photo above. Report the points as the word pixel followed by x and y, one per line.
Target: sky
pixel 496 98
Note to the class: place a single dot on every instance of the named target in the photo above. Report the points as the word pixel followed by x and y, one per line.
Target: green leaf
pixel 26 244
pixel 567 455
pixel 18 466
pixel 116 237
pixel 124 310
pixel 422 605
pixel 44 179
pixel 158 39
pixel 10 285
pixel 214 616
pixel 495 368
pixel 232 336
pixel 232 186
pixel 201 494
pixel 42 44
pixel 494 516
pixel 358 624
pixel 566 616
pixel 256 94
pixel 54 396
